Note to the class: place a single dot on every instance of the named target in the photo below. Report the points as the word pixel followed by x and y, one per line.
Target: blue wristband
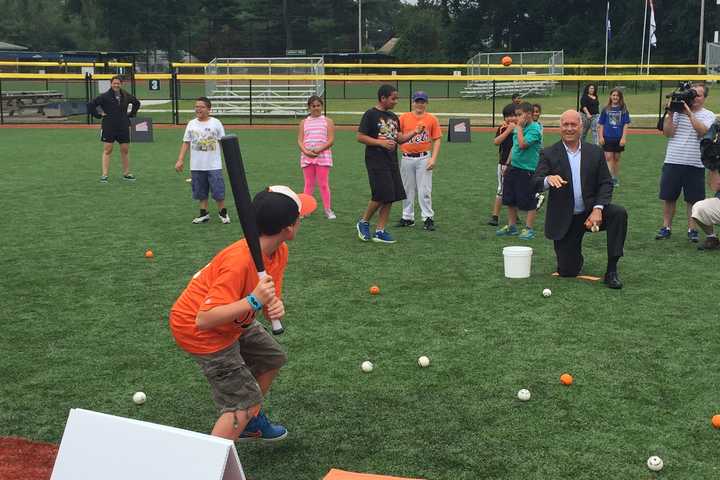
pixel 254 302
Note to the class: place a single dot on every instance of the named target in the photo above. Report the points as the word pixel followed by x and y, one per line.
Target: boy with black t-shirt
pixel 504 141
pixel 379 130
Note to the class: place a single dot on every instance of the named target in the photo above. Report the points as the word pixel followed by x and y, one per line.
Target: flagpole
pixel 607 19
pixel 642 50
pixel 702 27
pixel 651 32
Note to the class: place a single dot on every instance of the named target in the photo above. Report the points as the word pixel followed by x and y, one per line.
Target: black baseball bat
pixel 243 204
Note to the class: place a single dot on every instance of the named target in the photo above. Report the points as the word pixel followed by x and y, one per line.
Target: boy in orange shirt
pixel 214 319
pixel 419 155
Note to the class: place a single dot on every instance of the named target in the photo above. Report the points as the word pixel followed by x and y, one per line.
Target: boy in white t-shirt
pixel 202 137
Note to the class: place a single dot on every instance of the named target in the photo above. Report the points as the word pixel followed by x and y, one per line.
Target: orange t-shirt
pixel 229 277
pixel 421 142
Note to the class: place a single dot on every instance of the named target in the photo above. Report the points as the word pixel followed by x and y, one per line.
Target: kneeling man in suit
pixel 580 192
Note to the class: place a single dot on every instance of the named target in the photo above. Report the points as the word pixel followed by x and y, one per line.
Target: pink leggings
pixel 320 174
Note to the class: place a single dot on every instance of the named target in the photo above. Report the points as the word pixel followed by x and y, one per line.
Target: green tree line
pixel 430 31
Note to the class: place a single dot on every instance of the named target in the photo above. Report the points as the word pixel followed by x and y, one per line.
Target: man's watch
pixel 254 302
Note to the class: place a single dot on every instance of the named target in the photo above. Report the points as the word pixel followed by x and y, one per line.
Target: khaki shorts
pixel 231 372
pixel 707 211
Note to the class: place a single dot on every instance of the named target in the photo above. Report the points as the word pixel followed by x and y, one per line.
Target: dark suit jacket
pixel 117 116
pixel 595 178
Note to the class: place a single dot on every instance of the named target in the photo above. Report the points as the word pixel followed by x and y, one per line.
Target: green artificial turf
pixel 84 320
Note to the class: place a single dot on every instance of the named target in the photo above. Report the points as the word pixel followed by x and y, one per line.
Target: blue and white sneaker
pixel 663 234
pixel 363 230
pixel 507 231
pixel 527 234
pixel 381 236
pixel 693 235
pixel 260 428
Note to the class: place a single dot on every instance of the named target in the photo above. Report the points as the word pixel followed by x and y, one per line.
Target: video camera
pixel 684 94
pixel 710 148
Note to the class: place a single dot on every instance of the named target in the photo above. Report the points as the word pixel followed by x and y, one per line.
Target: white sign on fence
pixel 96 445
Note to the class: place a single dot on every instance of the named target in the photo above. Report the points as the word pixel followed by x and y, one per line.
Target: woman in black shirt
pixel 590 112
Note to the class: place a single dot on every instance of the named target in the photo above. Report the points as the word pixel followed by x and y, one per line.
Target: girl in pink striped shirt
pixel 315 137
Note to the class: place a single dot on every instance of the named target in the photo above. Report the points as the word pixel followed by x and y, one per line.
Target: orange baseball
pixel 566 379
pixel 374 290
pixel 149 254
pixel 715 421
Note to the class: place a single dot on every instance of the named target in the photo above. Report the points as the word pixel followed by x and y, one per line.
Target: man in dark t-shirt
pixel 379 131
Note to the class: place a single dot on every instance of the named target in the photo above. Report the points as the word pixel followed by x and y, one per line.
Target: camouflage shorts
pixel 231 372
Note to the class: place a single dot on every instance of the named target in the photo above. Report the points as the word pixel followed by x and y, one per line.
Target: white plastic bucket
pixel 517 261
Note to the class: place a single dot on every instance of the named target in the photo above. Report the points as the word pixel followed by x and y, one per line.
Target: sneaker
pixel 493 221
pixel 527 234
pixel 381 236
pixel 202 219
pixel 129 177
pixel 540 197
pixel 507 231
pixel 224 219
pixel 260 428
pixel 429 224
pixel 405 223
pixel 710 243
pixel 663 234
pixel 693 235
pixel 363 230
pixel 330 214
pixel 615 182
pixel 103 179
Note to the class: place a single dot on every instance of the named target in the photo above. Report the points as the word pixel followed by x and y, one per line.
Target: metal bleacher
pixel 484 89
pixel 264 97
pixel 269 99
pixel 525 85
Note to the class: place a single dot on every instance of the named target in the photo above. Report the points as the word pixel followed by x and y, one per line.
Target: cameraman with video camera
pixel 686 121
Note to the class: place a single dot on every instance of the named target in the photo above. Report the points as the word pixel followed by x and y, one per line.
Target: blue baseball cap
pixel 420 95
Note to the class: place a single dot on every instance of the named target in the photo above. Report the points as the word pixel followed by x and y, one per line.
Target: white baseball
pixel 139 398
pixel 523 395
pixel 594 228
pixel 423 361
pixel 547 292
pixel 655 463
pixel 367 366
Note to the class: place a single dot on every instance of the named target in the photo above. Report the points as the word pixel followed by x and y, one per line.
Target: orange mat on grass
pixel 335 474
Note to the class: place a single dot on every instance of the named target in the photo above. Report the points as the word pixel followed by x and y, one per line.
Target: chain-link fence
pixel 169 98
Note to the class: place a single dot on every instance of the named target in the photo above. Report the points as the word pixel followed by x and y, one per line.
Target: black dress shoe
pixel 612 280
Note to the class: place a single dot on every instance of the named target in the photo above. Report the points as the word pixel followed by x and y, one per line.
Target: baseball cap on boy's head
pixel 278 207
pixel 420 95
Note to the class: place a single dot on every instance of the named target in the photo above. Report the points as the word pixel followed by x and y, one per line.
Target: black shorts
pixel 689 179
pixel 613 145
pixel 386 184
pixel 120 135
pixel 518 190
